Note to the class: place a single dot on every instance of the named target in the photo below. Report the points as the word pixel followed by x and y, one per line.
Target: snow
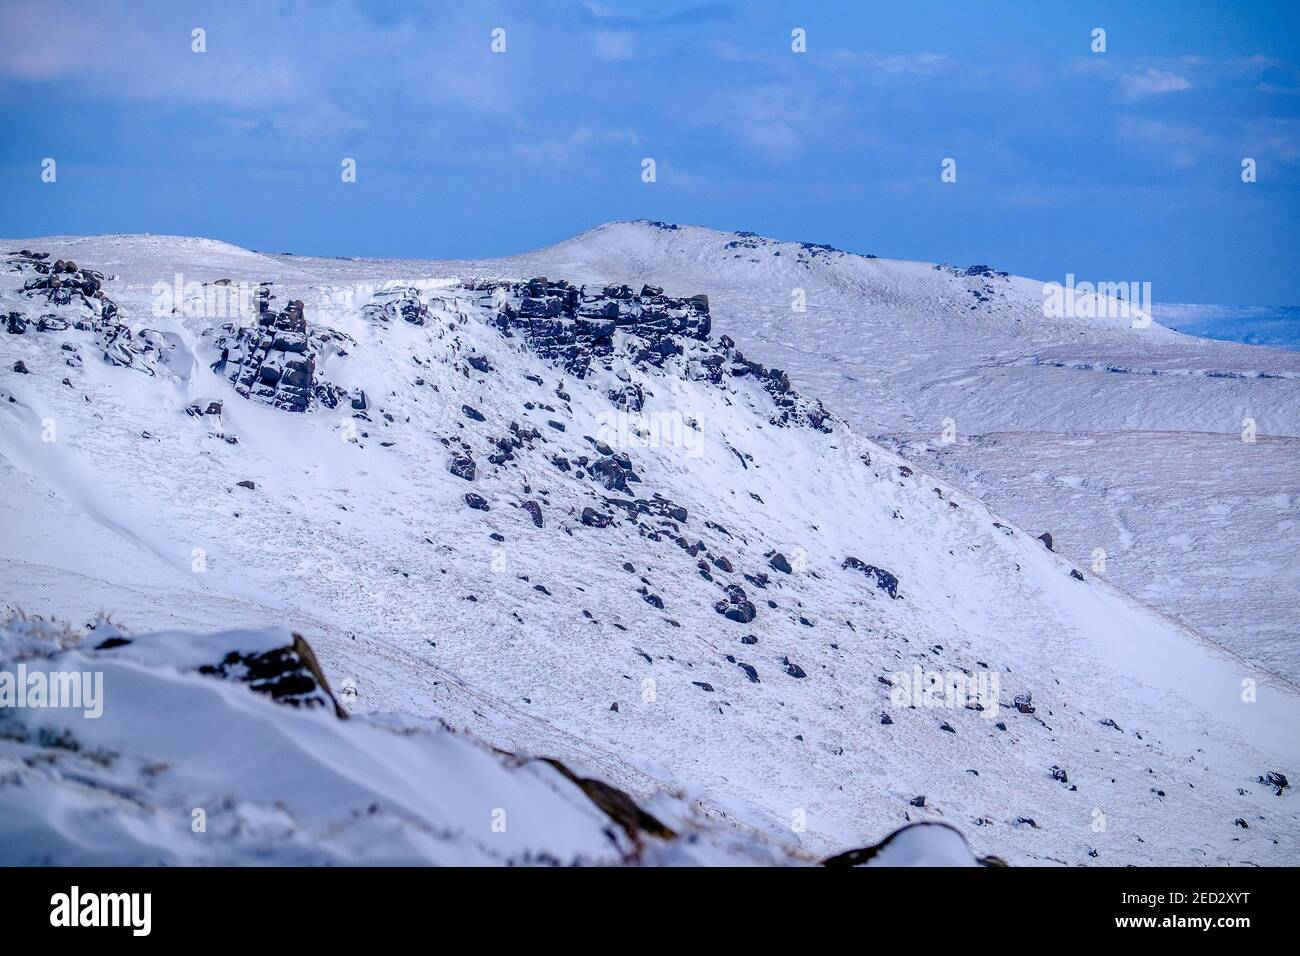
pixel 368 550
pixel 275 784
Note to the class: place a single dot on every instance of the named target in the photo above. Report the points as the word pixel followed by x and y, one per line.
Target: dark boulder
pixel 289 675
pixel 462 466
pixel 884 580
pixel 737 606
pixel 1275 779
pixel 749 670
pixel 614 473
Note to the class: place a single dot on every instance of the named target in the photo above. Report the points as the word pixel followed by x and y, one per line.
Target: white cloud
pixel 566 151
pixel 1150 82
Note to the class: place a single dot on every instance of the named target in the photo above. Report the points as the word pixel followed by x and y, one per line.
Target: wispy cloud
pixel 1152 82
pixel 895 67
pixel 568 151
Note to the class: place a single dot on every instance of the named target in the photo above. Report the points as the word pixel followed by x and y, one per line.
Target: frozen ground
pixel 539 639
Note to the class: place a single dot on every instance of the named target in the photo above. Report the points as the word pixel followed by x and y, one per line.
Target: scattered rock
pixel 794 670
pixel 1275 779
pixel 204 406
pixel 463 466
pixel 737 606
pixel 534 511
pixel 884 580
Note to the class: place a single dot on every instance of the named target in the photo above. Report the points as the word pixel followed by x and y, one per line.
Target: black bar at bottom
pixel 337 905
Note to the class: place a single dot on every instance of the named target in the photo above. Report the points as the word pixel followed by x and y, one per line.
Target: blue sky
pixel 1118 166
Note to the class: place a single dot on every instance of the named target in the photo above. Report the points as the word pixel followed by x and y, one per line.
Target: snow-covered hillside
pixel 1114 439
pixel 603 525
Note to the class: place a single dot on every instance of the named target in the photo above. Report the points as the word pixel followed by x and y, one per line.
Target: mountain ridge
pixel 382 545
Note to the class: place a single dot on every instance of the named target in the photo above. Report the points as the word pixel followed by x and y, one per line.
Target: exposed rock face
pixel 573 326
pixel 618 806
pixel 274 360
pixel 289 675
pixel 60 281
pixel 389 305
pixel 576 327
pixel 79 300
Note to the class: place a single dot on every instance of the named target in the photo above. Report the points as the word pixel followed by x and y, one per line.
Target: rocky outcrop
pixel 288 675
pixel 575 326
pixel 79 301
pixel 579 326
pixel 397 303
pixel 274 361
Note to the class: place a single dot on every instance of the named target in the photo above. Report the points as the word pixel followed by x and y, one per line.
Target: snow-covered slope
pixel 1115 439
pixel 666 566
pixel 195 759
